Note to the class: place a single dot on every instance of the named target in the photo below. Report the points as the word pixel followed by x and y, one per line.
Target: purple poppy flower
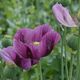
pixel 62 15
pixel 30 45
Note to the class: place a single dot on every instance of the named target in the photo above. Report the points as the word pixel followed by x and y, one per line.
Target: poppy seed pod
pixel 73 42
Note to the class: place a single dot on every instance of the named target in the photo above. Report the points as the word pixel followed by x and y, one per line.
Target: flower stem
pixel 62 61
pixel 66 67
pixel 41 77
pixel 37 73
pixel 25 75
pixel 71 67
pixel 78 57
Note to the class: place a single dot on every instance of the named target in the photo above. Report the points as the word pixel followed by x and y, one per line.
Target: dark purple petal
pixel 30 45
pixel 9 55
pixel 28 35
pixel 40 31
pixel 35 51
pixel 48 42
pixel 27 49
pixel 34 61
pixel 21 49
pixel 22 62
pixel 24 35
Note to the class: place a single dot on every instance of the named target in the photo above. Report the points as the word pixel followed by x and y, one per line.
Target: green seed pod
pixel 11 72
pixel 72 42
pixel 6 41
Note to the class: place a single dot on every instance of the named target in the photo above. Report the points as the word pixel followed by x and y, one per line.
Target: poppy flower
pixel 63 16
pixel 29 45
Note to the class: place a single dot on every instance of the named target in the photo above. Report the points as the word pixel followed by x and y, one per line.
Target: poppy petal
pixel 40 31
pixel 48 42
pixel 62 15
pixel 14 58
pixel 21 49
pixel 24 35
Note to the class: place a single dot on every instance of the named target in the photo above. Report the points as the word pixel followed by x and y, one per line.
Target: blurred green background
pixel 16 14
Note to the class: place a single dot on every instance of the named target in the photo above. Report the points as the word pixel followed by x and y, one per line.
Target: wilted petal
pixel 63 16
pixel 48 42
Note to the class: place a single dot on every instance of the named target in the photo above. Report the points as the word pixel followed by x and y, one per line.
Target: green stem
pixel 37 73
pixel 78 57
pixel 25 75
pixel 41 77
pixel 71 67
pixel 62 61
pixel 66 67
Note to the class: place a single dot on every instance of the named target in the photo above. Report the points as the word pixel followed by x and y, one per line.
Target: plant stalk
pixel 66 67
pixel 78 57
pixel 71 67
pixel 40 67
pixel 62 61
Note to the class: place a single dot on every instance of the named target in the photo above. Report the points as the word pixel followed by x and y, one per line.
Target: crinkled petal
pixel 35 51
pixel 40 31
pixel 9 55
pixel 58 12
pixel 25 35
pixel 22 62
pixel 21 49
pixel 48 42
pixel 68 18
pixel 29 50
pixel 28 35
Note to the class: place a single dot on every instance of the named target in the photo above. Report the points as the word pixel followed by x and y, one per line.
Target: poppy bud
pixel 73 42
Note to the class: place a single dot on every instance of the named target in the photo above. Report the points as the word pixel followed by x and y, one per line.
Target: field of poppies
pixel 39 39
